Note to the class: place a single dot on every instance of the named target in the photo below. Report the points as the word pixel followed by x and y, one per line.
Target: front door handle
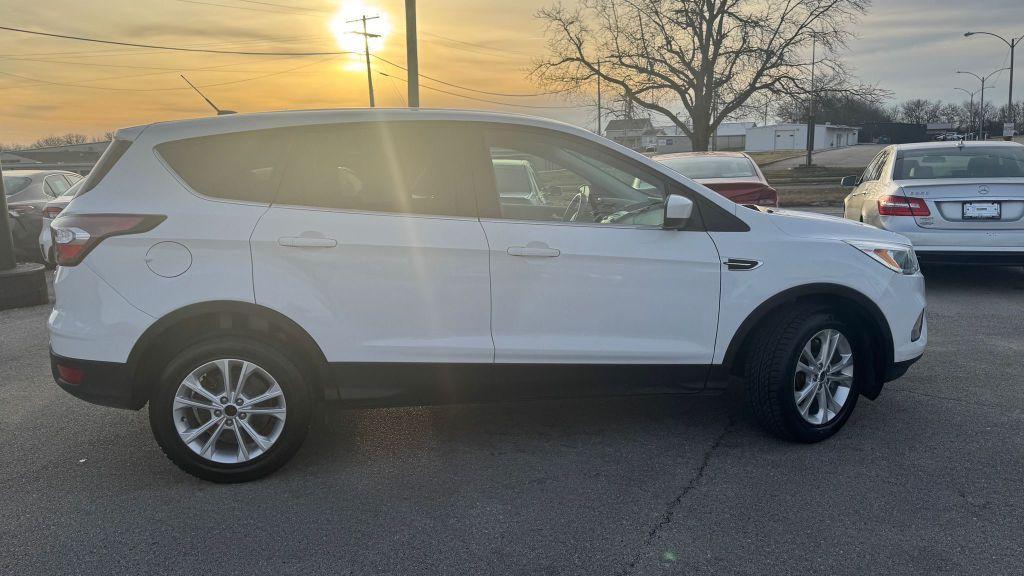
pixel 534 251
pixel 307 242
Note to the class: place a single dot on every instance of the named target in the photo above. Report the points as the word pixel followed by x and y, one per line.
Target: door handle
pixel 534 251
pixel 307 242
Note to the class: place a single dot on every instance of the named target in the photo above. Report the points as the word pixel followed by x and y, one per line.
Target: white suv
pixel 235 271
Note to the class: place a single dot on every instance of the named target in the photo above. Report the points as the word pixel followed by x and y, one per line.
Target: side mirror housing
pixel 848 181
pixel 678 210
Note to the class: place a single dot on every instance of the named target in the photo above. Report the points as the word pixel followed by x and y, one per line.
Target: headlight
pixel 896 257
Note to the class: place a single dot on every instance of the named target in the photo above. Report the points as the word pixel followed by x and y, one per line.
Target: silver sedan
pixel 958 202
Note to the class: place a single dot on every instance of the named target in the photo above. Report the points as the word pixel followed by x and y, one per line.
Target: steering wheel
pixel 575 206
pixel 572 211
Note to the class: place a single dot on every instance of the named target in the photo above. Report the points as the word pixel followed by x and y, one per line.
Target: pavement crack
pixel 670 508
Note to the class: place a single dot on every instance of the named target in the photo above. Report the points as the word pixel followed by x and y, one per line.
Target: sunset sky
pixel 52 86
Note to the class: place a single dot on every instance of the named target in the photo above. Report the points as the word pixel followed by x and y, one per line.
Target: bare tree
pixel 709 56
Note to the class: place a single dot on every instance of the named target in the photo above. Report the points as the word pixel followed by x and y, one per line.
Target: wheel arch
pixel 850 303
pixel 176 329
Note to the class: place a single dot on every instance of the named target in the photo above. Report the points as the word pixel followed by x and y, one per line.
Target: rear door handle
pixel 533 251
pixel 307 242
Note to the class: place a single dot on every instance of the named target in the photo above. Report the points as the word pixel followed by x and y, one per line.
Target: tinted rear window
pixel 239 166
pixel 700 167
pixel 512 179
pixel 955 162
pixel 15 184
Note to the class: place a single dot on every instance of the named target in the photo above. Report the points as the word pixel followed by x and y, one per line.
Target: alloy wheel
pixel 824 377
pixel 229 411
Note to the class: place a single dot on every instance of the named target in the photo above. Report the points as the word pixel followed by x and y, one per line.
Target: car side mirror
pixel 678 210
pixel 848 181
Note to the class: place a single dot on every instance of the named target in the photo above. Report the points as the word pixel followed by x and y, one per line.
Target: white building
pixel 728 136
pixel 794 137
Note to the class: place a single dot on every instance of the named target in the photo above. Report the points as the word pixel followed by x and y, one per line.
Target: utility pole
pixel 810 104
pixel 412 54
pixel 1012 43
pixel 598 97
pixel 366 43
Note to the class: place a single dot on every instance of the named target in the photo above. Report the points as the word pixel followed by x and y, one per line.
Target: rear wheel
pixel 230 409
pixel 803 374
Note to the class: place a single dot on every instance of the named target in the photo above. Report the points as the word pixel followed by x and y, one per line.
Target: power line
pixel 116 89
pixel 482 99
pixel 174 48
pixel 249 8
pixel 468 89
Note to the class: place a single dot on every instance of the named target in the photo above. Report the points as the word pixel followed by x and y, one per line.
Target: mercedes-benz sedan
pixel 958 202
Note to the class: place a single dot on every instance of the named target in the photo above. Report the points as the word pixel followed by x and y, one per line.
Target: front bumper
pixel 103 383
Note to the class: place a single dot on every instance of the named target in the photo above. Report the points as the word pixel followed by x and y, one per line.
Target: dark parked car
pixel 28 192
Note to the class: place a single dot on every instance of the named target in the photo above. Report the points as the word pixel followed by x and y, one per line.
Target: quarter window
pixel 56 185
pixel 238 166
pixel 560 180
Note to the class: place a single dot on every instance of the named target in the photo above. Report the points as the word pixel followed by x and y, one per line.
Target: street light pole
pixel 981 106
pixel 1012 43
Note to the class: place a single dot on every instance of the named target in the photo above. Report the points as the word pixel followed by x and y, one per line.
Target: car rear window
pixel 238 166
pixel 512 179
pixel 110 156
pixel 700 167
pixel 957 162
pixel 15 184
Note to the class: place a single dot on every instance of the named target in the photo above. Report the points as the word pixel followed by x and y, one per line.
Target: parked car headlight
pixel 896 257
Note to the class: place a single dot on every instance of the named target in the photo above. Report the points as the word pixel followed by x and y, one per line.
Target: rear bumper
pixel 103 383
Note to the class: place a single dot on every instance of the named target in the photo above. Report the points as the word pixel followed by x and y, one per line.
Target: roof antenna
pixel 212 105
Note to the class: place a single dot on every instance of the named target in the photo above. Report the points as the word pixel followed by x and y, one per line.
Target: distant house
pixel 729 136
pixel 794 137
pixel 73 157
pixel 636 133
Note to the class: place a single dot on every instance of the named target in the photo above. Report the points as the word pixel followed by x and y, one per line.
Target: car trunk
pixel 744 192
pixel 970 204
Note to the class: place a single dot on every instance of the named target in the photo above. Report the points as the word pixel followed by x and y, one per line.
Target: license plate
pixel 982 210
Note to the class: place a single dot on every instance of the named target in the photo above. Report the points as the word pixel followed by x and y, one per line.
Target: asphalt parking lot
pixel 925 480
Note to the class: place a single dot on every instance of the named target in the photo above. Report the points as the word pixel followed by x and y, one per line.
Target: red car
pixel 734 175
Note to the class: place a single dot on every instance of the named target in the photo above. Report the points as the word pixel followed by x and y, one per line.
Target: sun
pixel 343 27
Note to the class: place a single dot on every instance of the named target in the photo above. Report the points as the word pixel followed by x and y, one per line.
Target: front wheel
pixel 803 374
pixel 230 409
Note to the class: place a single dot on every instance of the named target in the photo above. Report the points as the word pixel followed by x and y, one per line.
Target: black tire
pixel 282 368
pixel 771 369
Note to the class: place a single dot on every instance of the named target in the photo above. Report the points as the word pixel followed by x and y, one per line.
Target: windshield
pixel 512 179
pixel 701 167
pixel 955 162
pixel 15 184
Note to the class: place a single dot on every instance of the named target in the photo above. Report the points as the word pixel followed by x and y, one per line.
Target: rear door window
pixel 244 166
pixel 401 167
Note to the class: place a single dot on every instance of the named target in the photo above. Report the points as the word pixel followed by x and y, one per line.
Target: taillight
pixel 75 235
pixel 51 212
pixel 902 206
